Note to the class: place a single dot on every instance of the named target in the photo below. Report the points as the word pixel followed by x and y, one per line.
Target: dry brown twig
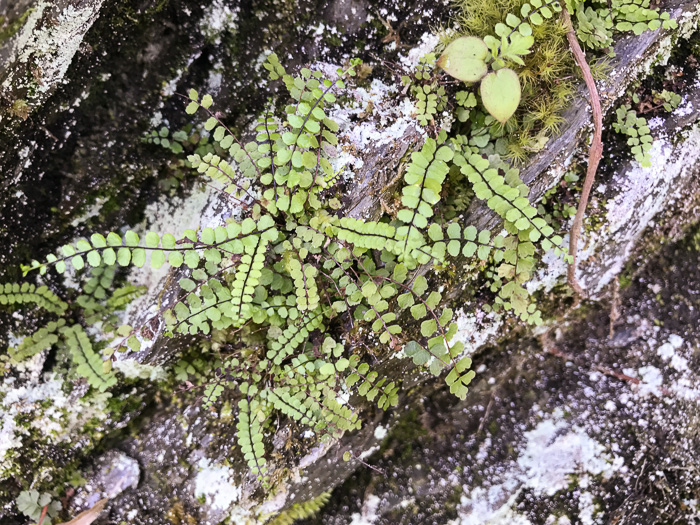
pixel 614 306
pixel 594 153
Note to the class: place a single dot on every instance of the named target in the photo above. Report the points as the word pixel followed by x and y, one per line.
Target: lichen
pixel 215 484
pixel 39 411
pixel 551 455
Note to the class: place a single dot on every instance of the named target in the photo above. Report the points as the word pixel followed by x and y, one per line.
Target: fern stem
pixel 595 152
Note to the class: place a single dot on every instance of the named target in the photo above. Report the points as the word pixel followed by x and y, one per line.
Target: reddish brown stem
pixel 594 153
pixel 43 514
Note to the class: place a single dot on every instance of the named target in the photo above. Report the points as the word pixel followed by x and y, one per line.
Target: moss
pixel 9 29
pixel 177 515
pixel 546 77
pixel 403 436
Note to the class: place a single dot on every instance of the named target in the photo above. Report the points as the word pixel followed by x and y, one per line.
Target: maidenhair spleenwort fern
pixel 294 295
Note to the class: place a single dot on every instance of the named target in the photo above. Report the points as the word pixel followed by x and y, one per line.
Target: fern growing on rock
pixel 294 293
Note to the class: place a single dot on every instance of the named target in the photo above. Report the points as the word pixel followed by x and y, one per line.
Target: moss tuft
pixel 546 78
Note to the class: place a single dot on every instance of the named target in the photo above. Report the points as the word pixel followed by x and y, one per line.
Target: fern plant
pixel 294 293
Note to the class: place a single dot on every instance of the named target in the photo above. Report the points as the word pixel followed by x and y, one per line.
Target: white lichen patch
pixel 381 121
pixel 315 454
pixel 368 514
pixel 51 46
pixel 651 380
pixel 427 42
pixel 554 453
pixel 477 329
pixel 552 456
pixel 380 432
pixel 682 382
pixel 133 369
pixel 669 351
pixel 218 17
pixel 215 484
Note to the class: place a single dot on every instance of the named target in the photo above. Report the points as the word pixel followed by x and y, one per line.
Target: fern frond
pixel 250 438
pixel 88 363
pixel 247 278
pixel 223 173
pixel 12 294
pixel 212 244
pixel 369 384
pixel 489 185
pixel 306 509
pixel 43 338
pixel 515 35
pixel 297 406
pixel 424 177
pixel 124 295
pixel 281 346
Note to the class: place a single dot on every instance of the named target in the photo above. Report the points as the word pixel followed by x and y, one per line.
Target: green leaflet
pixel 40 340
pixel 12 294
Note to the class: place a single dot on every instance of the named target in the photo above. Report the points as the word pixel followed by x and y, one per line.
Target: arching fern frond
pixel 15 294
pixel 43 338
pixel 88 363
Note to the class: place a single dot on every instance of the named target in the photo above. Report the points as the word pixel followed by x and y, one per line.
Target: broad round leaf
pixel 465 59
pixel 500 93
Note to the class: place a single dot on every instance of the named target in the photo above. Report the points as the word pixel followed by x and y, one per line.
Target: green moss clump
pixel 546 79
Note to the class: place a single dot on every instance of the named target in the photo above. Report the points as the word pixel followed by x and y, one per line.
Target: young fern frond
pixel 88 363
pixel 297 406
pixel 281 346
pixel 424 177
pixel 489 185
pixel 124 295
pixel 515 36
pixel 370 385
pixel 247 277
pixel 468 242
pixel 223 173
pixel 250 437
pixel 15 294
pixel 44 338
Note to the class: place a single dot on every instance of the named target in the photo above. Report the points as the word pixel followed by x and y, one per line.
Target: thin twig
pixel 604 370
pixel 594 153
pixel 614 306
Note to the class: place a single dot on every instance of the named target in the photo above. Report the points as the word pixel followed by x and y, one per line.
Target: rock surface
pixel 587 420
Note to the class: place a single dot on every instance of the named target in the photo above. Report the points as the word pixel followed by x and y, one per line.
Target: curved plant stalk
pixel 594 153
